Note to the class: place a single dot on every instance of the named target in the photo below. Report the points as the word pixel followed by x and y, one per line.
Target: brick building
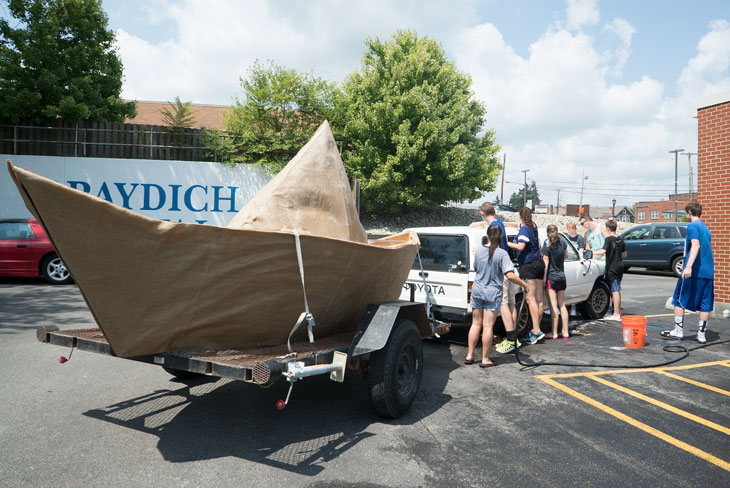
pixel 206 116
pixel 662 210
pixel 713 182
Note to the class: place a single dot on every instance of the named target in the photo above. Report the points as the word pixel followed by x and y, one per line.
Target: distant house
pixel 663 210
pixel 619 214
pixel 206 116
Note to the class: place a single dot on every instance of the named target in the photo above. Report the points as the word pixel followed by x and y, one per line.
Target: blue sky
pixel 605 87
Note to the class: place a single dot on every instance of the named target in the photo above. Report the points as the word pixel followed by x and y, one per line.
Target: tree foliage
pixel 516 199
pixel 279 112
pixel 412 128
pixel 60 61
pixel 179 116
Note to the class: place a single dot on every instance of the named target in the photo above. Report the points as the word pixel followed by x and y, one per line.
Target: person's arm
pixel 602 251
pixel 516 225
pixel 520 246
pixel 547 262
pixel 515 279
pixel 693 252
pixel 624 253
pixel 587 239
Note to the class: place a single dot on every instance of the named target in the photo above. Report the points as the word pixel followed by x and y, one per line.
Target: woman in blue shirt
pixel 532 270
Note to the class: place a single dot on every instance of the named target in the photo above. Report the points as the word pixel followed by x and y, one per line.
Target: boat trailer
pixel 385 350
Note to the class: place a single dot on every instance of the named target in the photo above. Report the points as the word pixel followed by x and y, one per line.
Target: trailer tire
pixel 181 373
pixel 394 374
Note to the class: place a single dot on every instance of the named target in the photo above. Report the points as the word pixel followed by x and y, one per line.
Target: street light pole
pixel 582 180
pixel 524 190
pixel 676 152
pixel 613 209
pixel 689 160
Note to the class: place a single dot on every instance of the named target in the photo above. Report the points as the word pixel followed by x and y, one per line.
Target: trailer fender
pixel 378 320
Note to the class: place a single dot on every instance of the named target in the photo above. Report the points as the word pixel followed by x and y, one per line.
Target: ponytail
pixel 553 236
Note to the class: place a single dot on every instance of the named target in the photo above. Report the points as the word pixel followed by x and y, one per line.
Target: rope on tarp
pixel 306 315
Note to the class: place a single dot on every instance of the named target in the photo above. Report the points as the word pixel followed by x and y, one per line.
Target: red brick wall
pixel 713 184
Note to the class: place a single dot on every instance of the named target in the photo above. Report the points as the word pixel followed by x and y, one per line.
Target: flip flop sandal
pixel 487 365
pixel 468 361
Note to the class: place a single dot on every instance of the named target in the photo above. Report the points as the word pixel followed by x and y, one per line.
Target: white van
pixel 447 255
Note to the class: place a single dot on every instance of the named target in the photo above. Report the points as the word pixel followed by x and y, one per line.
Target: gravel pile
pixel 378 225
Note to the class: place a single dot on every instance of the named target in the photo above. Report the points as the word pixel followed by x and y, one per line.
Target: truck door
pixel 637 242
pixel 578 276
pixel 446 265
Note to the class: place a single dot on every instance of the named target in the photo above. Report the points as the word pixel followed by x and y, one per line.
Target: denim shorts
pixel 478 303
pixel 615 285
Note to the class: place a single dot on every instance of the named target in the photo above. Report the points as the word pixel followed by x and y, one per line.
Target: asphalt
pixel 102 421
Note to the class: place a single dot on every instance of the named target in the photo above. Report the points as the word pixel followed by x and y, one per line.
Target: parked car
pixel 656 246
pixel 25 250
pixel 447 255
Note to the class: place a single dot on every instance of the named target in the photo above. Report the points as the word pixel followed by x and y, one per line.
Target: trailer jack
pixel 296 370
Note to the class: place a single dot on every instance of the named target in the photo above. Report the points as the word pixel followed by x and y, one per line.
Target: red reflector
pixel 468 293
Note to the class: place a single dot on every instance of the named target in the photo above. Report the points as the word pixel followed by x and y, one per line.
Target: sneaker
pixel 507 346
pixel 701 337
pixel 533 338
pixel 676 333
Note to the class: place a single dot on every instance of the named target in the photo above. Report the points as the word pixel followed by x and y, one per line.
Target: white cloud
pixel 624 31
pixel 581 13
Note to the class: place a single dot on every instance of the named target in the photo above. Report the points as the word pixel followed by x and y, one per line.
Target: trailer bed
pixel 259 365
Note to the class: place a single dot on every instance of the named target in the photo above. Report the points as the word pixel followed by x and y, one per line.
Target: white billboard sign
pixel 178 191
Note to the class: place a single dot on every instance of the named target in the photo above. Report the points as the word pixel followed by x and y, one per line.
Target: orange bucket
pixel 634 330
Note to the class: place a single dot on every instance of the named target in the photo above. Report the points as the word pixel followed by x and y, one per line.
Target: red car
pixel 25 250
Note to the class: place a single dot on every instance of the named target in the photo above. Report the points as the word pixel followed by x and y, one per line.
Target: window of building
pixel 641 215
pixel 667 215
pixel 654 214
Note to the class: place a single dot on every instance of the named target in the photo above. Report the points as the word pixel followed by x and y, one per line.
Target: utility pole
pixel 689 160
pixel 582 180
pixel 557 207
pixel 504 166
pixel 676 152
pixel 524 190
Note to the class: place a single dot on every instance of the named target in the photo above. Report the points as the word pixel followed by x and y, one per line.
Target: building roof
pixel 206 116
pixel 715 99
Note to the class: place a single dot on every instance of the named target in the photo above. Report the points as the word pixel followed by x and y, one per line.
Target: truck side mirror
pixel 587 254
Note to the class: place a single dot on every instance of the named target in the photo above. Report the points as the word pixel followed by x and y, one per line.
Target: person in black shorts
pixel 532 270
pixel 554 252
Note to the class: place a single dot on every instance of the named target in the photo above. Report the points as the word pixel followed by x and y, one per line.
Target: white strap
pixel 425 285
pixel 305 315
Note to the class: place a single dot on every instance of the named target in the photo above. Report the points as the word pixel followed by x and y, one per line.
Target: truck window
pixel 572 253
pixel 443 253
pixel 638 233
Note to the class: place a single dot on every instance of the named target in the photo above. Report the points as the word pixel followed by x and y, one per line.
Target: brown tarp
pixel 156 286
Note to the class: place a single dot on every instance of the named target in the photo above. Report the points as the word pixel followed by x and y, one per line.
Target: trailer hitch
pixel 296 370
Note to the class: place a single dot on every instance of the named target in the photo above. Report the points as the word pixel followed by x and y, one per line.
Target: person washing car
pixel 574 237
pixel 615 251
pixel 554 252
pixel 594 238
pixel 491 264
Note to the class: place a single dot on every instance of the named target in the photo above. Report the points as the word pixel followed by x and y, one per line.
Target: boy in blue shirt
pixel 695 286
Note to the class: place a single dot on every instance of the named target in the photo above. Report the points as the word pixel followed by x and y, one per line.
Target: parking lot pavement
pixel 104 421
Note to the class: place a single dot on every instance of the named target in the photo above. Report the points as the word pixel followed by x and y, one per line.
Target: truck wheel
pixel 394 374
pixel 54 271
pixel 597 303
pixel 677 264
pixel 180 373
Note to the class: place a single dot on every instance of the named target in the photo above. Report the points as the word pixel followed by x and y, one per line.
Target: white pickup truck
pixel 447 254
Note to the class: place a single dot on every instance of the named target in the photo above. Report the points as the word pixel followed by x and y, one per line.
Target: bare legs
pixel 557 306
pixel 534 303
pixel 482 323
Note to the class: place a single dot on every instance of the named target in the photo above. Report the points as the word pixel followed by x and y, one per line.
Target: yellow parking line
pixel 724 362
pixel 639 425
pixel 665 406
pixel 696 383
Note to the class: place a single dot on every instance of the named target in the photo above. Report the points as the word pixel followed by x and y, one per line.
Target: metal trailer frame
pixel 362 352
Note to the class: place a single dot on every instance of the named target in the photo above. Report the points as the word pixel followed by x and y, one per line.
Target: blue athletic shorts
pixel 478 303
pixel 695 294
pixel 615 285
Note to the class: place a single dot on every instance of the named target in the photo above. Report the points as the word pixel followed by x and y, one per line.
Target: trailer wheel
pixel 395 371
pixel 180 373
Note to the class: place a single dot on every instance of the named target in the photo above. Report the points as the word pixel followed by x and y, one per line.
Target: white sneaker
pixel 701 337
pixel 677 333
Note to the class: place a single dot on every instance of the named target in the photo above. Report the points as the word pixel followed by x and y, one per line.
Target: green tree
pixel 516 199
pixel 279 112
pixel 60 61
pixel 413 131
pixel 179 116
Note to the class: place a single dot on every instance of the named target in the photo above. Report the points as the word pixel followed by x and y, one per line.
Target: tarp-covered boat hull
pixel 156 286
